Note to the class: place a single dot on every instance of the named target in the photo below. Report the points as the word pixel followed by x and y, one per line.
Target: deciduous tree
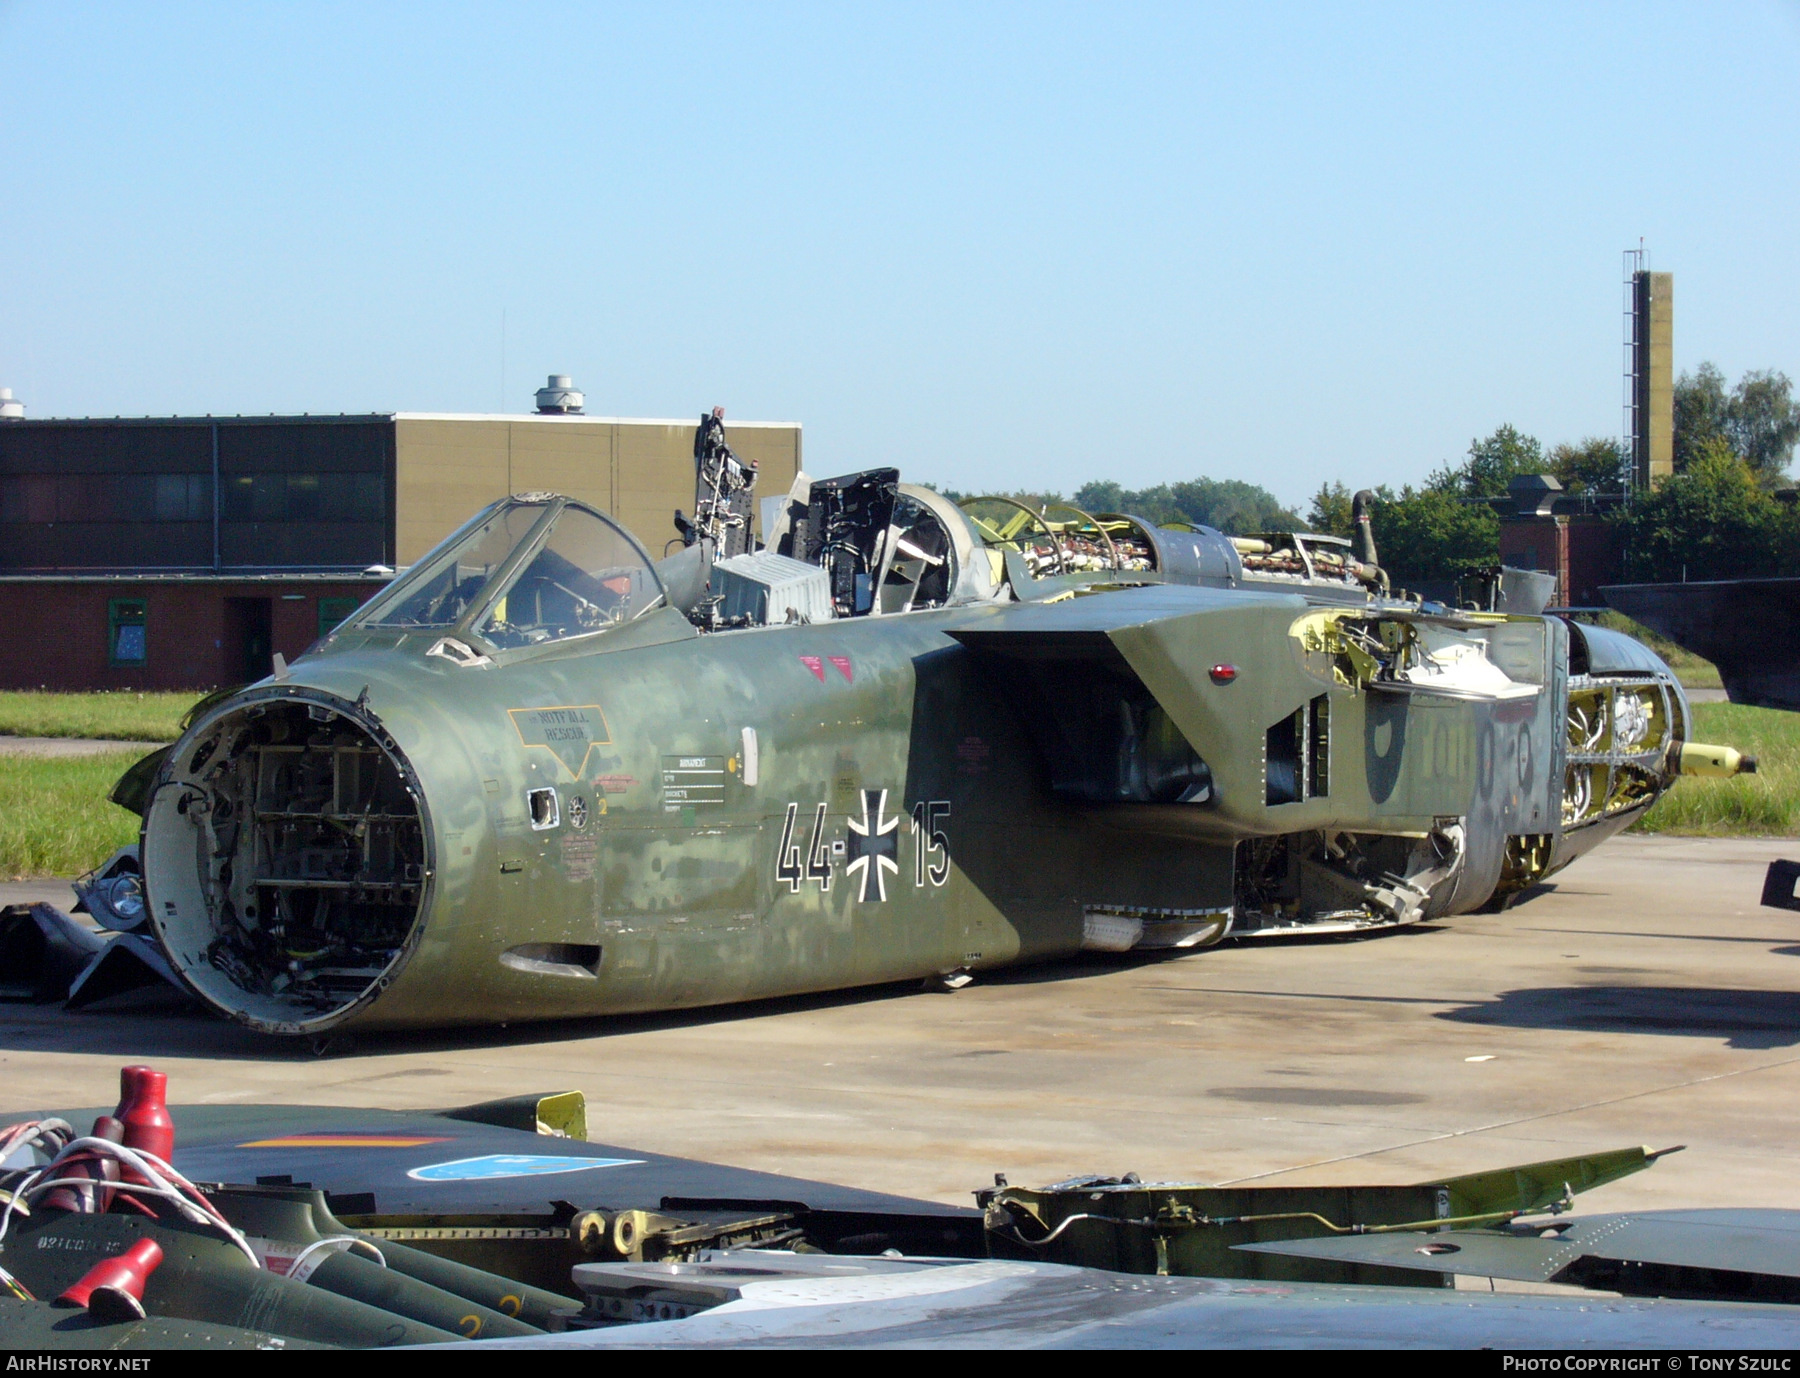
pixel 1762 422
pixel 1231 505
pixel 1759 419
pixel 1593 466
pixel 1714 520
pixel 1700 405
pixel 1331 510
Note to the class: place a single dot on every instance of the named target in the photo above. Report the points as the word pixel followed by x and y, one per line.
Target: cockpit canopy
pixel 529 569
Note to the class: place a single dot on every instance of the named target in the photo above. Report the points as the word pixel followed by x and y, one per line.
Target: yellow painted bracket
pixel 1319 634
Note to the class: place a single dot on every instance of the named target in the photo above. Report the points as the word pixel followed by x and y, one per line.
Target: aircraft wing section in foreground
pixel 500 1224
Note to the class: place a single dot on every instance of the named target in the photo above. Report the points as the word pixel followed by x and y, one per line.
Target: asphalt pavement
pixel 1643 998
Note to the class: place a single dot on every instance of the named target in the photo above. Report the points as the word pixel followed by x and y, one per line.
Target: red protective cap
pixel 80 1199
pixel 1224 674
pixel 107 1127
pixel 138 1083
pixel 144 1111
pixel 106 1169
pixel 129 1079
pixel 113 1289
pixel 62 1198
pixel 93 1166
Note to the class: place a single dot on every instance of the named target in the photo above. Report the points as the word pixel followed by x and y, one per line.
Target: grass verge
pixel 55 818
pixel 1766 804
pixel 120 717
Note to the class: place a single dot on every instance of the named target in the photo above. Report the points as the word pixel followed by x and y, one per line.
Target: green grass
pixel 120 717
pixel 55 818
pixel 1766 804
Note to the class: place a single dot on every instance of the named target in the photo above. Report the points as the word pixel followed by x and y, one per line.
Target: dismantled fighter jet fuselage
pixel 542 775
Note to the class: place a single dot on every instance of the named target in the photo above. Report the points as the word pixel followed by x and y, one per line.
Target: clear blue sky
pixel 995 245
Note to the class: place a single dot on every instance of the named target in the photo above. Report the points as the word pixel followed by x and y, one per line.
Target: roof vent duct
pixel 559 397
pixel 1534 495
pixel 11 408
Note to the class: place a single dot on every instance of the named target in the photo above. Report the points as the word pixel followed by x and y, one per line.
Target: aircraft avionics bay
pixel 544 774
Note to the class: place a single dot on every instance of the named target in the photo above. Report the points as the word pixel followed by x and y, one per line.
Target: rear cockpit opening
pixel 286 859
pixel 862 545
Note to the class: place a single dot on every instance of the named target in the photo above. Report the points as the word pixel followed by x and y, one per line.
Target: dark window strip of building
pixel 68 498
pixel 251 446
pixel 303 497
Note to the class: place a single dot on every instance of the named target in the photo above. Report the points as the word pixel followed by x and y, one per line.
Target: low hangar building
pixel 183 552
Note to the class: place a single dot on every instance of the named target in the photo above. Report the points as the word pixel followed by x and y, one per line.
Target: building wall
pixel 1584 553
pixel 1534 543
pixel 89 495
pixel 1596 558
pixel 340 491
pixel 140 496
pixel 448 467
pixel 58 632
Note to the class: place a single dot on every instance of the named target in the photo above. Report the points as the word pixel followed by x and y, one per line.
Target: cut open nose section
pixel 286 858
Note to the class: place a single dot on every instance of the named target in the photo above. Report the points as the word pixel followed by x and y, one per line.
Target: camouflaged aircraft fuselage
pixel 446 814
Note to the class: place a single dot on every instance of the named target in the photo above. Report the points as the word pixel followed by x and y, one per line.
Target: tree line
pixel 1726 513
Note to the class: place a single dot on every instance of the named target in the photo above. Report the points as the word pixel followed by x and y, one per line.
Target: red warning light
pixel 1224 674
